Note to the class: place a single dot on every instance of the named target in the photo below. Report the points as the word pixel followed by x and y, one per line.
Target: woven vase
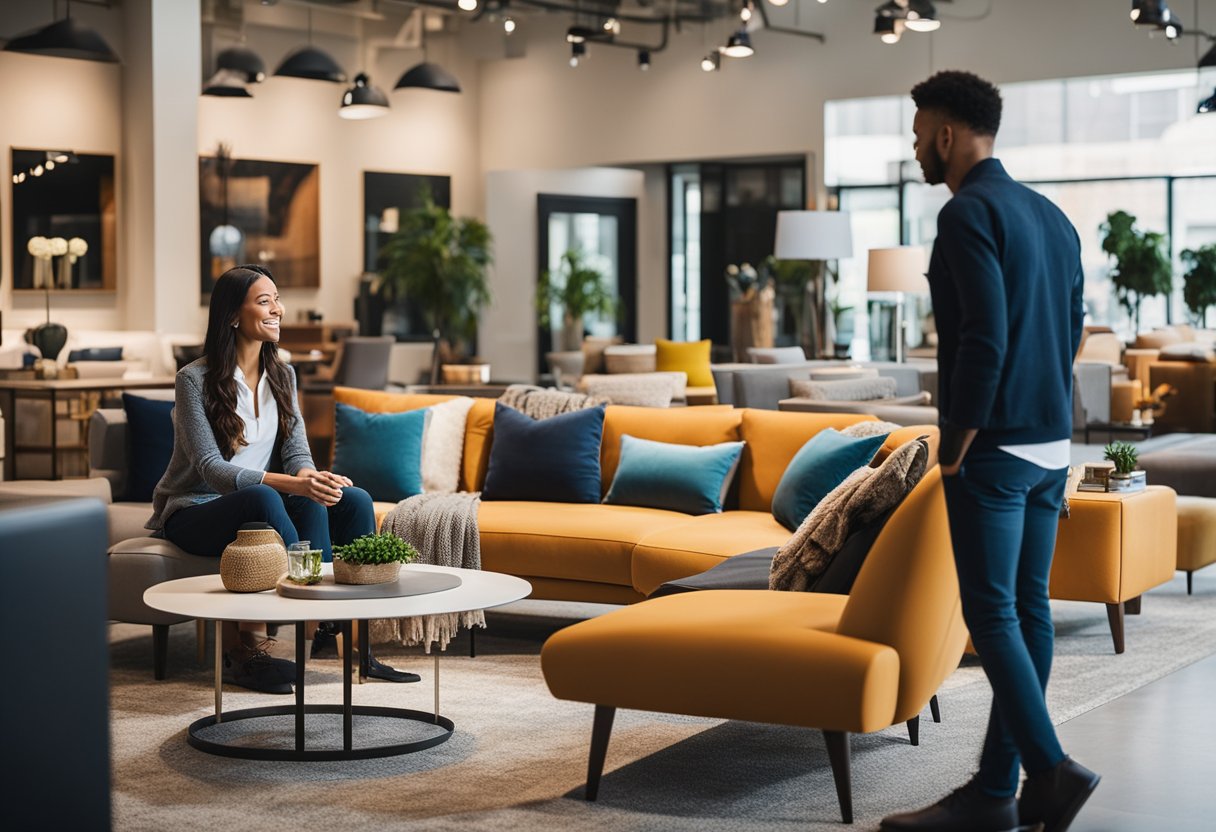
pixel 365 573
pixel 253 562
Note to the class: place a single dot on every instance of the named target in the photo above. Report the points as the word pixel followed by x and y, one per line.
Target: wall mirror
pixel 64 220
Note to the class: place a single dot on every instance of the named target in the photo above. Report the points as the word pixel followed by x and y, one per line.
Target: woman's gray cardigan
pixel 197 471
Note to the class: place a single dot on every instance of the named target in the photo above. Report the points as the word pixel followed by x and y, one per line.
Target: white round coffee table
pixel 205 598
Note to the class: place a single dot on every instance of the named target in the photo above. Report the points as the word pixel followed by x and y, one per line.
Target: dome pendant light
pixel 227 83
pixel 922 16
pixel 363 101
pixel 311 63
pixel 244 61
pixel 64 39
pixel 427 75
pixel 739 45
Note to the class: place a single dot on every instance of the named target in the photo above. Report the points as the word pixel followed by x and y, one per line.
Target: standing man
pixel 1006 280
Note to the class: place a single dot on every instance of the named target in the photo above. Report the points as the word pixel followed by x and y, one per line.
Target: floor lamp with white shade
pixel 900 270
pixel 818 236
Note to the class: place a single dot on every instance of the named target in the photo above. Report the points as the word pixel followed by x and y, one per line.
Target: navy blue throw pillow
pixel 380 452
pixel 96 354
pixel 149 444
pixel 555 460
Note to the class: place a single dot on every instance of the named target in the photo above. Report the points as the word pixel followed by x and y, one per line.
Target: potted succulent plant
pixel 1125 477
pixel 371 559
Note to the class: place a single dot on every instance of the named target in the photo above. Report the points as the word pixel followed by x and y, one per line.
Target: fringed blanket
pixel 865 495
pixel 443 528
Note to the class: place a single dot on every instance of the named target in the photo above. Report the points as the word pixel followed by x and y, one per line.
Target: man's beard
pixel 934 168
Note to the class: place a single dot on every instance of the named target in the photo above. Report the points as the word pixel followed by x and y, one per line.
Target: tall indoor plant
pixel 437 263
pixel 1199 282
pixel 578 289
pixel 1142 268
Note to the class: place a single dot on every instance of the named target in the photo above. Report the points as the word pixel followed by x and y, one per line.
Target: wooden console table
pixel 56 390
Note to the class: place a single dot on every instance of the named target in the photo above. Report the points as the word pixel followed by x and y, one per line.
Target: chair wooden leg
pixel 1132 605
pixel 601 729
pixel 1114 613
pixel 160 650
pixel 914 730
pixel 935 708
pixel 838 753
pixel 1190 574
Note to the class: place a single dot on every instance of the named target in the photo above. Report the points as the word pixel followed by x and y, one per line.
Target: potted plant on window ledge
pixel 437 263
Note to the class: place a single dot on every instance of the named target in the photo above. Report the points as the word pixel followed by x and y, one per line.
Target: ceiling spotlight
pixel 363 101
pixel 1150 13
pixel 745 14
pixel 711 62
pixel 612 26
pixel 578 34
pixel 37 171
pixel 242 60
pixel 467 5
pixel 739 45
pixel 578 49
pixel 644 59
pixel 508 25
pixel 888 29
pixel 1208 104
pixel 50 164
pixel 1173 29
pixel 922 16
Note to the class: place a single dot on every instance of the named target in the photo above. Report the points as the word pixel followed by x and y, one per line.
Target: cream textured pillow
pixel 443 444
pixel 878 428
pixel 851 390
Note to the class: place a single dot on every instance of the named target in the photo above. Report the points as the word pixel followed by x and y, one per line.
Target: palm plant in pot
pixel 437 263
pixel 1125 477
pixel 578 289
pixel 372 559
pixel 1141 268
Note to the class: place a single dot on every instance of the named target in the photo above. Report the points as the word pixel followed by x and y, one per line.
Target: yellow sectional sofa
pixel 619 554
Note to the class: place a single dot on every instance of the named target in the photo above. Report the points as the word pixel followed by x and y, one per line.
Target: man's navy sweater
pixel 1006 282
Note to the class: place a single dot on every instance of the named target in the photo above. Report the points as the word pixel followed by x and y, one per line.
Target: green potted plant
pixel 790 280
pixel 1125 477
pixel 578 289
pixel 372 559
pixel 1142 268
pixel 1199 282
pixel 437 263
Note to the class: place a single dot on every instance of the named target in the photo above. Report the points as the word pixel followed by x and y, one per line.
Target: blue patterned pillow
pixel 380 452
pixel 693 479
pixel 819 466
pixel 555 460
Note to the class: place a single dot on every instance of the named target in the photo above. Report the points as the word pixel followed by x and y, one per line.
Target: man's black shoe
pixel 1053 798
pixel 378 670
pixel 966 809
pixel 325 641
pixel 256 671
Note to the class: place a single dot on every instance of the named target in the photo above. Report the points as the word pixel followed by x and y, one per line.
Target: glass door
pixel 603 231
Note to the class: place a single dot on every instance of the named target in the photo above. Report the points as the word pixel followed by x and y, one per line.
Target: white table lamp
pixel 900 270
pixel 819 236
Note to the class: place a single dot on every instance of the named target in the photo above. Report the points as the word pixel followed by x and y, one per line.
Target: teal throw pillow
pixel 819 466
pixel 380 452
pixel 689 478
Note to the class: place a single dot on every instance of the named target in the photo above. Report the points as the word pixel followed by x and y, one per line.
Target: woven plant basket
pixel 365 573
pixel 253 562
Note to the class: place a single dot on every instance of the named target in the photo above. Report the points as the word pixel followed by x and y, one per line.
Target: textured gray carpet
pixel 518 758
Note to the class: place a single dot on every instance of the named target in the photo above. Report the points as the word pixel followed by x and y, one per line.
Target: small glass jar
pixel 303 563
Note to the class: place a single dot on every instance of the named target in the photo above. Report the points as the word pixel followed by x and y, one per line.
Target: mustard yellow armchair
pixel 842 664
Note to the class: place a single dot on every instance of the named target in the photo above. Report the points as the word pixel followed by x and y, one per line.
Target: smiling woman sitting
pixel 240 456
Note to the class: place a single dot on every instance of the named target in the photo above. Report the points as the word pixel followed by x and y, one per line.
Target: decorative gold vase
pixel 253 562
pixel 365 573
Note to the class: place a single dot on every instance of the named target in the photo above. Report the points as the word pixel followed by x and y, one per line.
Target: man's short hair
pixel 961 96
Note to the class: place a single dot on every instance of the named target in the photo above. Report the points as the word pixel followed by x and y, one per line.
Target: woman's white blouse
pixel 262 429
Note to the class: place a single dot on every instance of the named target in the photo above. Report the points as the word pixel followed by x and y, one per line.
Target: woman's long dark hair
pixel 219 348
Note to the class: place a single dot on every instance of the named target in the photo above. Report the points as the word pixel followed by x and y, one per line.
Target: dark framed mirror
pixel 64 221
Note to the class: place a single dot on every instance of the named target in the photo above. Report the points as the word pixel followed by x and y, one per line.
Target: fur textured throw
pixel 443 528
pixel 541 403
pixel 865 495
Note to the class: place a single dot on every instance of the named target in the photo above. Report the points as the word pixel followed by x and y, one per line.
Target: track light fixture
pixel 612 26
pixel 739 45
pixel 711 62
pixel 580 34
pixel 1150 13
pixel 745 14
pixel 1172 29
pixel 888 29
pixel 578 50
pixel 921 16
pixel 644 59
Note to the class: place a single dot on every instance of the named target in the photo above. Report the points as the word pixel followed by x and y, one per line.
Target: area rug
pixel 518 757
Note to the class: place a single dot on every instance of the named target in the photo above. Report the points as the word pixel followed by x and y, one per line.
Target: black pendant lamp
pixel 311 63
pixel 226 83
pixel 244 61
pixel 428 76
pixel 363 101
pixel 64 39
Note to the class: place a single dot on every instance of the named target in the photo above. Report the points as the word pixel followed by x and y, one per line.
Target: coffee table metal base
pixel 195 739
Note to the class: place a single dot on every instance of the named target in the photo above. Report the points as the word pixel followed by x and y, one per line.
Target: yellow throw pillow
pixel 689 357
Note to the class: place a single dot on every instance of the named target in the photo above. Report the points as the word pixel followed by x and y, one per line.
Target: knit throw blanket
pixel 541 403
pixel 443 528
pixel 865 495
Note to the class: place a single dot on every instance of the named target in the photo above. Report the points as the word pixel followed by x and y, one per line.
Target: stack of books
pixel 1101 476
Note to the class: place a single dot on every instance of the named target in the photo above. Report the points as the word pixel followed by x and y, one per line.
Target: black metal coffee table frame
pixel 300 710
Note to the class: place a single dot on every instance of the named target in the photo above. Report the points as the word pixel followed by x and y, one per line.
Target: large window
pixel 1092 145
